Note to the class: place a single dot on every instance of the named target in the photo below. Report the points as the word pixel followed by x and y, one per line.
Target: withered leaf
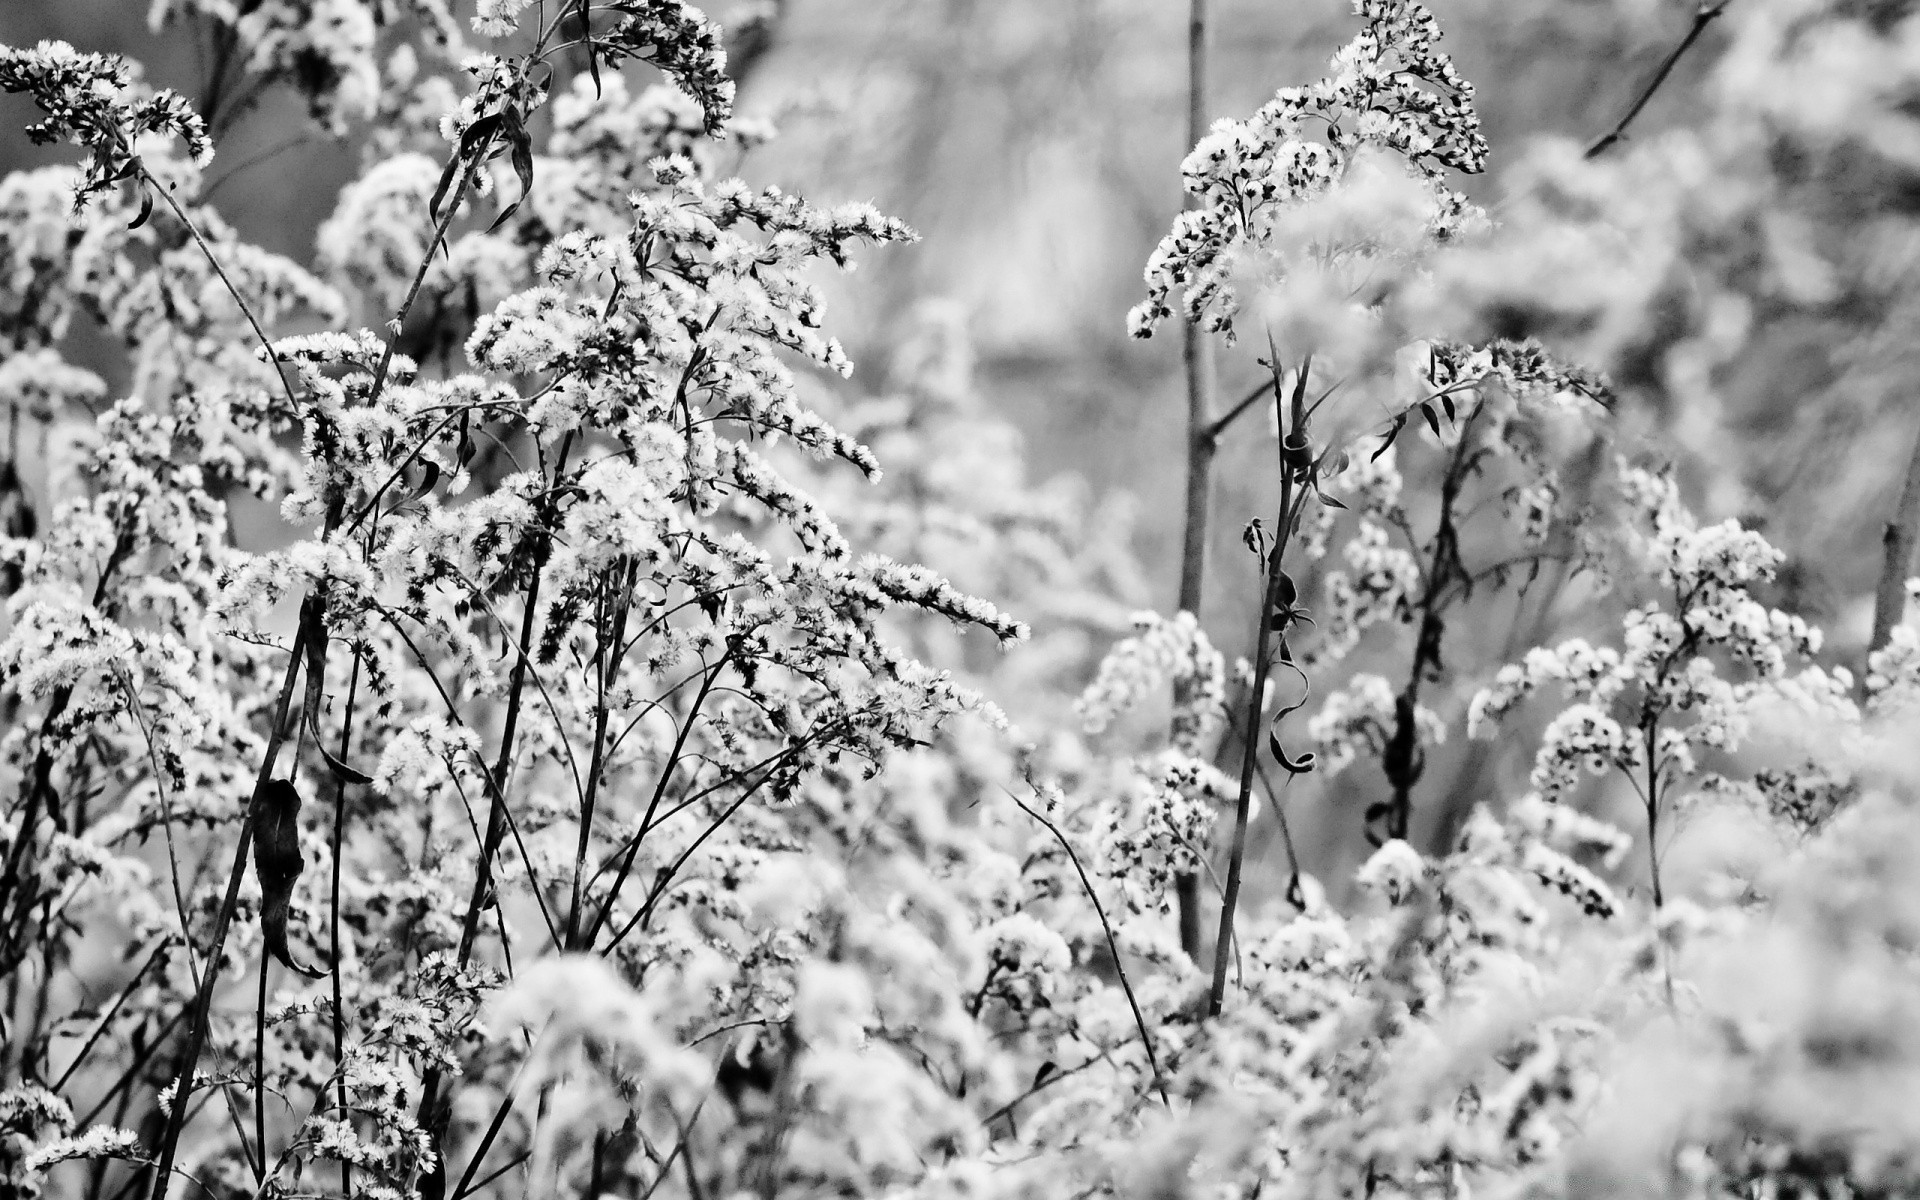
pixel 277 864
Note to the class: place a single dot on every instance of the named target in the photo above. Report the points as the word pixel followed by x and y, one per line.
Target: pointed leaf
pixel 1433 422
pixel 481 131
pixel 521 156
pixel 342 771
pixel 1393 431
pixel 146 209
pixel 593 52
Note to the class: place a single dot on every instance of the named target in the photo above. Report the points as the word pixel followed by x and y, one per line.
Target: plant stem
pixel 433 1115
pixel 1890 596
pixel 1256 700
pixel 260 1075
pixel 333 921
pixel 310 619
pixel 1197 355
pixel 1702 17
pixel 1113 944
pixel 611 653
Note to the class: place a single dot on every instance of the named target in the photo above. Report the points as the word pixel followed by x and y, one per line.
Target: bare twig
pixel 1702 17
pixel 1113 944
pixel 1226 419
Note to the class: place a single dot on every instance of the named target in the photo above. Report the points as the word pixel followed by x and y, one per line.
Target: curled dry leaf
pixel 277 865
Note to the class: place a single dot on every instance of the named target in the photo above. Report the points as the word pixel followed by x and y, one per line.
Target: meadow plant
pixel 479 719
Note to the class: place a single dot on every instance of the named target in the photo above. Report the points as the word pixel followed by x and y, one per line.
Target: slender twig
pixel 499 1121
pixel 1702 17
pixel 1006 1110
pixel 670 766
pixel 510 1164
pixel 432 1114
pixel 1113 944
pixel 1401 757
pixel 333 920
pixel 143 1054
pixel 247 164
pixel 113 1010
pixel 246 310
pixel 1226 419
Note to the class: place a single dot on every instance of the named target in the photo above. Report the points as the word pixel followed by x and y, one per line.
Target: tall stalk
pixel 1197 353
pixel 309 649
pixel 1275 608
pixel 1897 541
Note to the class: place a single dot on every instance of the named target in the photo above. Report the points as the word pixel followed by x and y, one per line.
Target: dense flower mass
pixel 495 710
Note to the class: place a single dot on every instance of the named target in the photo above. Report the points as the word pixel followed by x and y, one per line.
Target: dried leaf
pixel 277 864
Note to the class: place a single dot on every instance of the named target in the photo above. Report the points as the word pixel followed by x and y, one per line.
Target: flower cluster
pixel 1389 88
pixel 1162 651
pixel 93 101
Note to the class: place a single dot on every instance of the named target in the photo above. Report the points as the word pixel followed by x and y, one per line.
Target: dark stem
pixel 1890 596
pixel 1702 17
pixel 1650 732
pixel 1197 356
pixel 611 653
pixel 653 803
pixel 433 1116
pixel 310 620
pixel 333 921
pixel 1402 760
pixel 1263 642
pixel 260 1074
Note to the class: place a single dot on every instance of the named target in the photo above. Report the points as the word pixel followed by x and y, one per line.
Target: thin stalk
pixel 1197 357
pixel 260 1074
pixel 1649 731
pixel 432 1114
pixel 1897 542
pixel 608 665
pixel 113 1010
pixel 659 791
pixel 1702 17
pixel 310 619
pixel 310 638
pixel 1113 944
pixel 1256 699
pixel 333 921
